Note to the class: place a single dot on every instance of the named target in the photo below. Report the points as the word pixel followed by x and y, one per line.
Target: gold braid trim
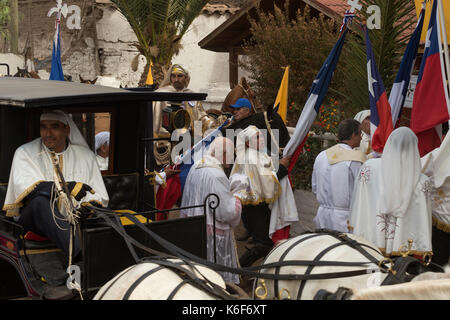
pixel 411 252
pixel 440 225
pixel 11 209
pixel 76 189
pixel 261 200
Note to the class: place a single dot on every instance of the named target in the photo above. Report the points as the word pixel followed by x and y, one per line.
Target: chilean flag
pixel 318 91
pixel 430 102
pixel 401 83
pixel 380 109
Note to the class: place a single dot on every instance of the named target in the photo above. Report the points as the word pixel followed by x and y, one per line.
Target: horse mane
pixel 24 73
pixel 241 90
pixel 87 81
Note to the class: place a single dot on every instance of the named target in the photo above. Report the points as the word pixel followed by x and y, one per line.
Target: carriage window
pixel 95 127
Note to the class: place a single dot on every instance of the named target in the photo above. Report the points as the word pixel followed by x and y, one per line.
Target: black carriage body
pixel 105 252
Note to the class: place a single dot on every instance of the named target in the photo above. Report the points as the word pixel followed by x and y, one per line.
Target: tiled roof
pixel 219 9
pixel 338 6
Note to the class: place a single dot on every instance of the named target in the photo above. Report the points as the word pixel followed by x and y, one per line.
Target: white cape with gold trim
pixel 32 164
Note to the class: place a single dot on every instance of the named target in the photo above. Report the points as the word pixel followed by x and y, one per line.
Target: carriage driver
pixel 31 196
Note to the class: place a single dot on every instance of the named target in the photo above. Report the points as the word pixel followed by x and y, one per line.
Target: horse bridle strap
pixel 182 254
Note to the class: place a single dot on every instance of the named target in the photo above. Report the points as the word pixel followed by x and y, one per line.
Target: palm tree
pixel 389 43
pixel 159 26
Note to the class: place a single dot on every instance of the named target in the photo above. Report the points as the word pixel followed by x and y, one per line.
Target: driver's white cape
pixel 32 165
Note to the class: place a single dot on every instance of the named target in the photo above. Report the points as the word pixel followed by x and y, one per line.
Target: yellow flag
pixel 149 80
pixel 446 6
pixel 282 97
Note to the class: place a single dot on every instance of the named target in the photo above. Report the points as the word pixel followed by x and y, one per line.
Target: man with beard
pixel 177 80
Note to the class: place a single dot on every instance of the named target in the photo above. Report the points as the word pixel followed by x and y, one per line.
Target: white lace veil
pixel 400 171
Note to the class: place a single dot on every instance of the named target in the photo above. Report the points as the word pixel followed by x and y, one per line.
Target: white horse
pixel 425 286
pixel 361 272
pixel 166 279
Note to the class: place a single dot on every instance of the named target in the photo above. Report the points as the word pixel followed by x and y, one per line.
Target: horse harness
pixel 396 273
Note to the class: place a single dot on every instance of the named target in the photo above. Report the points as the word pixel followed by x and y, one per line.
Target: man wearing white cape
pixel 436 165
pixel 207 176
pixel 333 177
pixel 267 207
pixel 31 195
pixel 391 201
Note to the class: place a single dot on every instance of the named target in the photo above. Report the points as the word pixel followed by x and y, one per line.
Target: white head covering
pixel 257 167
pixel 100 139
pixel 75 136
pixel 400 171
pixel 360 116
pixel 175 69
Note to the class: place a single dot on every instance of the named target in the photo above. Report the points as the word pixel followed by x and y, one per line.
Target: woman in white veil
pixel 391 203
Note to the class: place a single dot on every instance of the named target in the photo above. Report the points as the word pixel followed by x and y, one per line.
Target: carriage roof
pixel 35 93
pixel 131 119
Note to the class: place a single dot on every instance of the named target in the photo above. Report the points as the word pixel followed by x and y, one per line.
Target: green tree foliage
pixel 159 26
pixel 302 43
pixel 398 19
pixel 4 18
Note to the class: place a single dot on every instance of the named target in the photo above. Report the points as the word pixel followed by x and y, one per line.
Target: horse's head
pixel 24 73
pixel 88 81
pixel 242 90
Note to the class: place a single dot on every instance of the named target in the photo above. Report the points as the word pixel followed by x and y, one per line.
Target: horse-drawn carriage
pixel 29 263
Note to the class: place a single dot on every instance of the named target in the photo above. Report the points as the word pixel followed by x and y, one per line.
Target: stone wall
pixel 104 49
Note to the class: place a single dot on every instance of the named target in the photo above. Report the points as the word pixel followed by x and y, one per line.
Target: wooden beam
pixel 233 66
pixel 14 26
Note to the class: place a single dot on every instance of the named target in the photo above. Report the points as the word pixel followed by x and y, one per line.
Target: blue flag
pixel 187 160
pixel 56 72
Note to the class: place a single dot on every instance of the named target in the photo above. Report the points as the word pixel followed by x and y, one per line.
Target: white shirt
pixel 333 187
pixel 203 179
pixel 102 162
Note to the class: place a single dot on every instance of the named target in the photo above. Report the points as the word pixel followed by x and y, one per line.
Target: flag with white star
pixel 401 83
pixel 316 96
pixel 431 105
pixel 380 109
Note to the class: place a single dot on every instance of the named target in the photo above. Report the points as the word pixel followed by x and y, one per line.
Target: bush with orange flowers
pixel 330 115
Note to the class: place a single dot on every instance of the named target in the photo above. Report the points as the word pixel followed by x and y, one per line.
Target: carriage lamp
pixel 174 117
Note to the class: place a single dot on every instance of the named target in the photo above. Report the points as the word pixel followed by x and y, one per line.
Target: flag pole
pixel 444 40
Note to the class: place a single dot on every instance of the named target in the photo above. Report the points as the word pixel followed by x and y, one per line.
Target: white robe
pixel 387 232
pixel 203 179
pixel 103 163
pixel 32 164
pixel 436 165
pixel 333 187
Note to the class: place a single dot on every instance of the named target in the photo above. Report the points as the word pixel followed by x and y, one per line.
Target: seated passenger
pixel 33 197
pixel 102 149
